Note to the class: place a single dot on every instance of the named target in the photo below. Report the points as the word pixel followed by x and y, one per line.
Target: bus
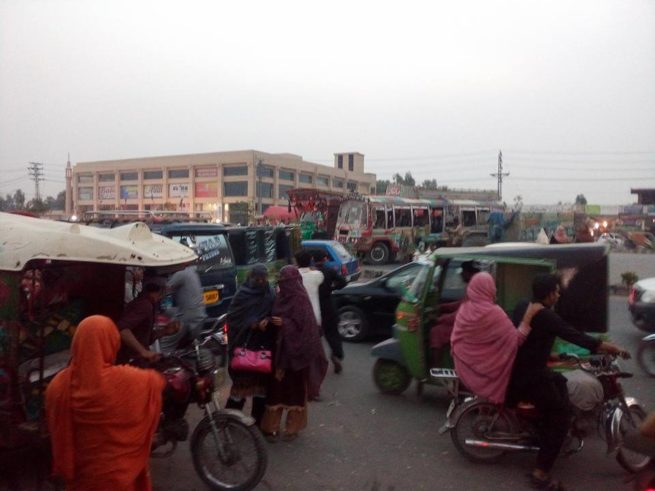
pixel 383 228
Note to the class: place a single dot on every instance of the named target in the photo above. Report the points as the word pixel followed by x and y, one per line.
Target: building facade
pixel 213 183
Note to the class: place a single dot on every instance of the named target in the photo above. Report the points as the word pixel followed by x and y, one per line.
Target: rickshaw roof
pixel 25 239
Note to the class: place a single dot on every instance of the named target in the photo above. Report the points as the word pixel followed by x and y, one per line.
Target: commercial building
pixel 225 184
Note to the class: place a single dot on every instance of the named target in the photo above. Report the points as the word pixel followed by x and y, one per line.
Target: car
pixel 339 258
pixel 641 303
pixel 369 308
pixel 614 240
pixel 216 263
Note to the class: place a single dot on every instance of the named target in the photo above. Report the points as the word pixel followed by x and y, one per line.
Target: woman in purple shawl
pixel 300 362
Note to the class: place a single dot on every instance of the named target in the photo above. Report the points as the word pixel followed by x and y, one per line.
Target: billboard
pixel 151 191
pixel 206 190
pixel 178 190
pixel 107 192
pixel 129 192
pixel 207 172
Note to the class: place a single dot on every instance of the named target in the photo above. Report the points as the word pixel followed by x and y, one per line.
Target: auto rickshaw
pixel 583 303
pixel 52 275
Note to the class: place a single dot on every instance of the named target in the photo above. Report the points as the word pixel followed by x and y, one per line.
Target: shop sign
pixel 129 192
pixel 206 190
pixel 151 191
pixel 178 190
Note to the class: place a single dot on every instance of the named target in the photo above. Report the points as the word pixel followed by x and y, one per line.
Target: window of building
pixel 106 177
pixel 403 217
pixel 352 186
pixel 152 174
pixel 266 171
pixel 323 181
pixel 340 161
pixel 206 171
pixel 282 191
pixel 306 178
pixel 85 178
pixel 85 194
pixel 178 173
pixel 351 162
pixel 264 189
pixel 337 183
pixel 287 175
pixel 129 176
pixel 239 188
pixel 241 170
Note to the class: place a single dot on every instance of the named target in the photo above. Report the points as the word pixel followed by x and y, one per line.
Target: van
pixel 216 263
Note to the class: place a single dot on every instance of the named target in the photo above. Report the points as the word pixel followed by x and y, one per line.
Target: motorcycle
pixel 227 449
pixel 646 355
pixel 483 431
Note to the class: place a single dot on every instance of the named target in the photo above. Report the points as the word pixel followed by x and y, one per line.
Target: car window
pixel 453 284
pixel 419 277
pixel 400 280
pixel 341 251
pixel 213 250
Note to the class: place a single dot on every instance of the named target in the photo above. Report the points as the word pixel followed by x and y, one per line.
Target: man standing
pixel 311 280
pixel 186 289
pixel 137 323
pixel 332 281
pixel 533 381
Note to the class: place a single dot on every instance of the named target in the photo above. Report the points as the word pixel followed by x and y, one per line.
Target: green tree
pixel 580 199
pixel 381 186
pixel 38 205
pixel 19 199
pixel 429 184
pixel 407 180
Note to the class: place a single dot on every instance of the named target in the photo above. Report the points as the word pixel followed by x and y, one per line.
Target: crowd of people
pixel 102 402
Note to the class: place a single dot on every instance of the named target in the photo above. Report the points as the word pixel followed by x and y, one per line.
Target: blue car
pixel 339 258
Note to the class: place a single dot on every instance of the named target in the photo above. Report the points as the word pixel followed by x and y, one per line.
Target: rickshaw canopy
pixel 25 239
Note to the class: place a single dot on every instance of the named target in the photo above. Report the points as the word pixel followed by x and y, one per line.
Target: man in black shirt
pixel 532 380
pixel 332 281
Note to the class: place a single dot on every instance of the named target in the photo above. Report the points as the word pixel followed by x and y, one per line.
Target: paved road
pixel 359 439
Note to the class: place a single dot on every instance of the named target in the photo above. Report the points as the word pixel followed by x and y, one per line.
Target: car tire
pixel 390 377
pixel 379 254
pixel 351 324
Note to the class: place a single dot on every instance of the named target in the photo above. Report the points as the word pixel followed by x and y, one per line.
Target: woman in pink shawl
pixel 484 341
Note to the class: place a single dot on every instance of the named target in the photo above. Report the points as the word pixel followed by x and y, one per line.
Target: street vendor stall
pixel 52 275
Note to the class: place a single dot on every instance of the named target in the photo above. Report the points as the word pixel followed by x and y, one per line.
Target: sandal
pixel 548 484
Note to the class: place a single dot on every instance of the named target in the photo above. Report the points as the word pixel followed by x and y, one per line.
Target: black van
pixel 216 266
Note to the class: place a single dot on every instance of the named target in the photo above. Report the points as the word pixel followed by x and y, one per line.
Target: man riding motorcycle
pixel 534 382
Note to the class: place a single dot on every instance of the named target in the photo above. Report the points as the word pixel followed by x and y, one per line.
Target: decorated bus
pixel 383 228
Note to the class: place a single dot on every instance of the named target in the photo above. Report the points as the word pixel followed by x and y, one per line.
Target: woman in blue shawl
pixel 249 323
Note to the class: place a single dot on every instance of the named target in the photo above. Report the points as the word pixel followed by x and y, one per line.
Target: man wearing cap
pixel 137 322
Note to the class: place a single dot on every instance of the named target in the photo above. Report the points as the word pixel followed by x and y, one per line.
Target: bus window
pixel 380 218
pixel 403 217
pixel 468 218
pixel 390 217
pixel 436 225
pixel 420 216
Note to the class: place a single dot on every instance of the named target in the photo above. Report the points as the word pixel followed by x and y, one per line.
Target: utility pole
pixel 35 171
pixel 259 186
pixel 500 175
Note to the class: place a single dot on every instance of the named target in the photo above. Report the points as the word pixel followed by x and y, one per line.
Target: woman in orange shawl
pixel 102 417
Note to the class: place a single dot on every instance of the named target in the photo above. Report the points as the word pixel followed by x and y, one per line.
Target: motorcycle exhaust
pixel 499 445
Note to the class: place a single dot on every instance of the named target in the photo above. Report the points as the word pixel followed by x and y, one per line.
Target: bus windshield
pixel 353 213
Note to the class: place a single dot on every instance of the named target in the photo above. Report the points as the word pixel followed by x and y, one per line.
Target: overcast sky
pixel 566 89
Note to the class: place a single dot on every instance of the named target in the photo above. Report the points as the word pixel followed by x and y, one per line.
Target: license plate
pixel 211 296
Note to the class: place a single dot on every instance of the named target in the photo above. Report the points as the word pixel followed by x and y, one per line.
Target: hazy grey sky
pixel 565 88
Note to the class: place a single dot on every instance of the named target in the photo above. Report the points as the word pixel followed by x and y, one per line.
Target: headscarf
pixel 251 303
pixel 484 341
pixel 102 417
pixel 300 344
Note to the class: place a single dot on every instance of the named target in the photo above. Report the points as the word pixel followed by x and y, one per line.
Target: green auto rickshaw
pixel 583 303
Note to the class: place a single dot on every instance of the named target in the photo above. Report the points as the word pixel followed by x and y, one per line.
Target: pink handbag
pixel 245 360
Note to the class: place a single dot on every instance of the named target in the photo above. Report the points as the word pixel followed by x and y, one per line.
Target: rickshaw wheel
pixel 475 422
pixel 390 377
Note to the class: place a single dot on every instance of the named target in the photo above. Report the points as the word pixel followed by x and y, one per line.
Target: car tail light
pixel 344 270
pixel 632 296
pixel 411 319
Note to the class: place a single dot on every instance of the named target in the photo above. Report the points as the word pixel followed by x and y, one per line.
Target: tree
pixel 381 186
pixel 408 180
pixel 38 205
pixel 19 199
pixel 429 184
pixel 580 199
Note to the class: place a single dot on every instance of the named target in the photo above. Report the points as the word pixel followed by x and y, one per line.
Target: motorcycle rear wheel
pixel 243 462
pixel 632 462
pixel 476 422
pixel 646 357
